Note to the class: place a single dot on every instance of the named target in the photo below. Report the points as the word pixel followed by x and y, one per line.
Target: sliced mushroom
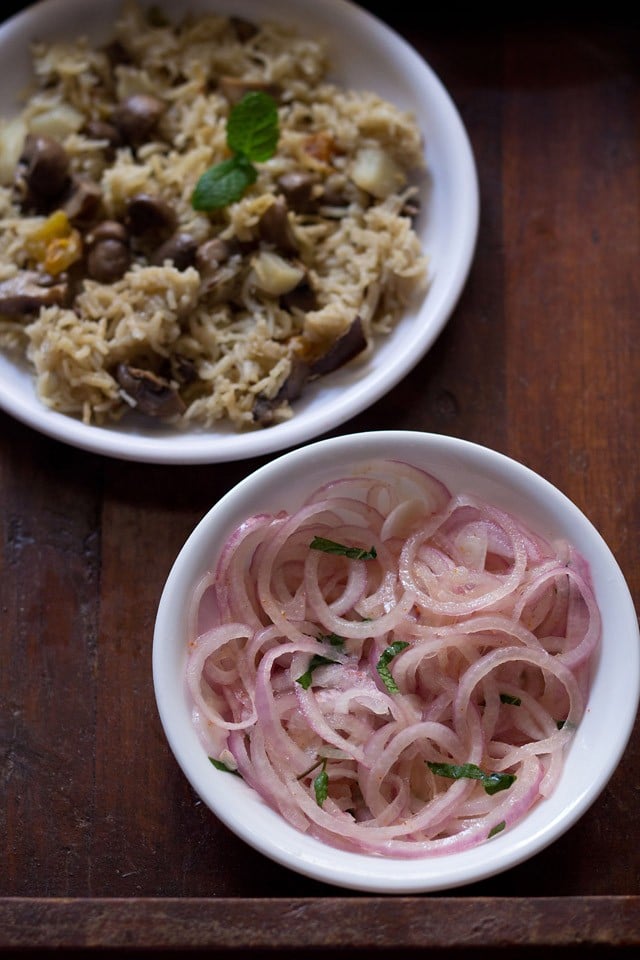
pixel 150 394
pixel 303 369
pixel 82 200
pixel 212 258
pixel 136 118
pixel 235 88
pixel 26 292
pixel 303 297
pixel 264 408
pixel 297 187
pixel 183 369
pixel 341 351
pixel 275 228
pixel 180 249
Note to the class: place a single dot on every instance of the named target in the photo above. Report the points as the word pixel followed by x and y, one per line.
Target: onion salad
pixel 396 669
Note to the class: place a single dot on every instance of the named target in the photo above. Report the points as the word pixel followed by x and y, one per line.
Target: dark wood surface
pixel 104 845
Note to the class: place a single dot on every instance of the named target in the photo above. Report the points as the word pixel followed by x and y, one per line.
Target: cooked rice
pixel 363 259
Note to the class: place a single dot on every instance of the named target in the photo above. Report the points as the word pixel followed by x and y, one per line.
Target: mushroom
pixel 26 292
pixel 150 220
pixel 101 130
pixel 43 169
pixel 82 200
pixel 344 349
pixel 341 351
pixel 297 188
pixel 275 228
pixel 136 118
pixel 148 393
pixel 211 257
pixel 303 297
pixel 109 255
pixel 180 249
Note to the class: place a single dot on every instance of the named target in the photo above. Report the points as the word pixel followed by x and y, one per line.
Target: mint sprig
pixel 252 137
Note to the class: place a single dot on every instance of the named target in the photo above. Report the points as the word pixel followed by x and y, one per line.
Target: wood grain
pixel 103 842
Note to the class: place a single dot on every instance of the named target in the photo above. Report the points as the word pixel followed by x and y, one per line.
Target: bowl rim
pixel 334 399
pixel 545 823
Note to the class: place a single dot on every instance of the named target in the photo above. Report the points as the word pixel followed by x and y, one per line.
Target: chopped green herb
pixel 499 827
pixel 316 661
pixel 382 665
pixel 331 638
pixel 220 765
pixel 252 137
pixel 353 553
pixel 507 698
pixel 492 782
pixel 321 785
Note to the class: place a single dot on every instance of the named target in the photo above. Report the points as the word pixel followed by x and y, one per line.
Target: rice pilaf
pixel 205 315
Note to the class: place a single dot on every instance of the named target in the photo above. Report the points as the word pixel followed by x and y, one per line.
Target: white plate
pixel 365 53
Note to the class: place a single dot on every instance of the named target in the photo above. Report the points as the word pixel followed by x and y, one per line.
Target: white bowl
pixel 462 466
pixel 365 53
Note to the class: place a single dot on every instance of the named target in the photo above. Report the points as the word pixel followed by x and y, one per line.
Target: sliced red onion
pixel 336 686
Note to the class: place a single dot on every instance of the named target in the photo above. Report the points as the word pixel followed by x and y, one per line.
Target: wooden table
pixel 103 842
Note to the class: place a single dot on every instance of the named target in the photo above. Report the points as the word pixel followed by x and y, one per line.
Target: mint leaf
pixel 321 785
pixel 382 666
pixel 507 698
pixel 252 127
pixel 492 782
pixel 353 553
pixel 223 184
pixel 316 661
pixel 220 765
pixel 499 827
pixel 332 638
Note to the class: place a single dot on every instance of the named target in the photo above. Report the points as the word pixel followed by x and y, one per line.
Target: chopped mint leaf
pixel 499 827
pixel 331 638
pixel 316 661
pixel 492 782
pixel 220 765
pixel 507 698
pixel 382 665
pixel 353 553
pixel 321 785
